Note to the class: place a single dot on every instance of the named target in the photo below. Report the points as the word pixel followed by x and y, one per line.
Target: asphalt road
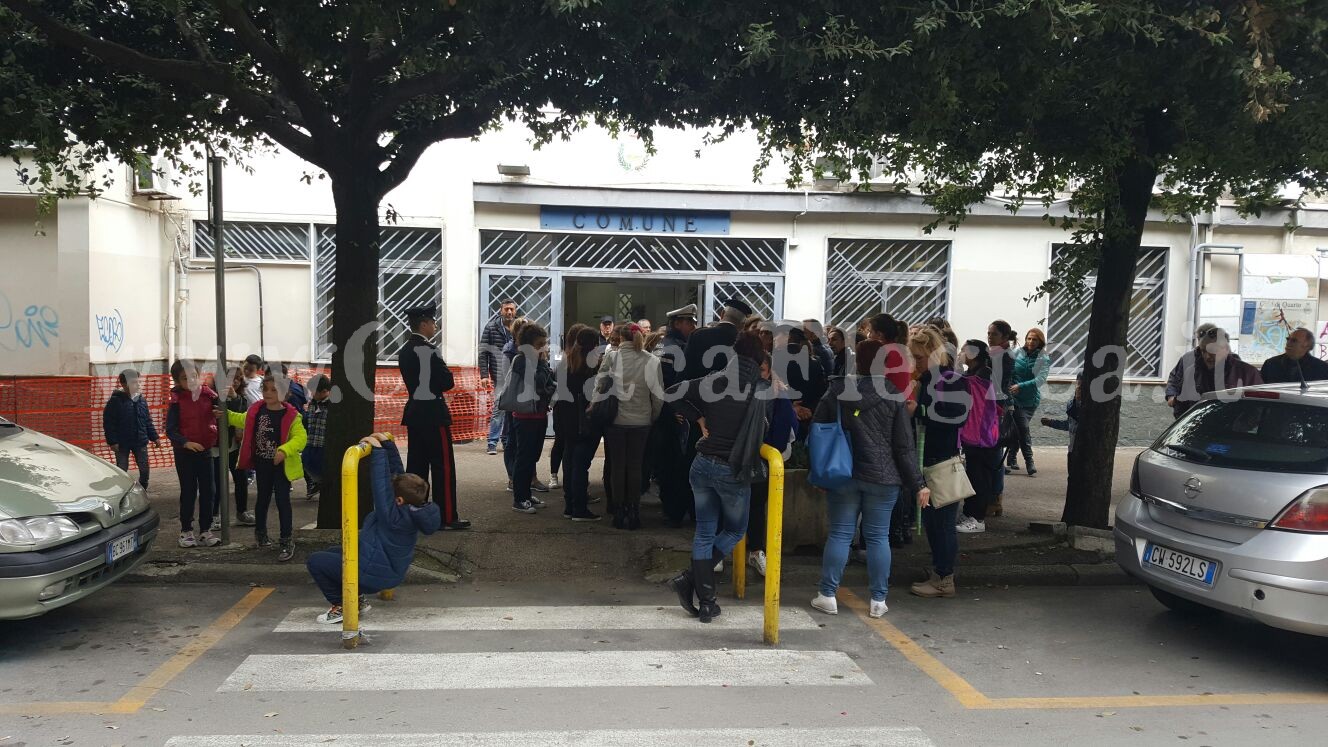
pixel 613 662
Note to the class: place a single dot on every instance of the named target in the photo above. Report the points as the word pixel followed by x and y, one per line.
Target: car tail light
pixel 1308 513
pixel 1135 490
pixel 1262 394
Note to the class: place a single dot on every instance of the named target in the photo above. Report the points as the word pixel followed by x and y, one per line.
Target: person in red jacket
pixel 191 426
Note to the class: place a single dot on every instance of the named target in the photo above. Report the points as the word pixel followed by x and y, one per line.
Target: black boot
pixel 703 576
pixel 684 587
pixel 620 518
pixel 1028 460
pixel 634 518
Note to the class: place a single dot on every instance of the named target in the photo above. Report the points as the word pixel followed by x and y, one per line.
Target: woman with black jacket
pixel 582 437
pixel 942 406
pixel 718 405
pixel 873 414
pixel 564 418
pixel 532 374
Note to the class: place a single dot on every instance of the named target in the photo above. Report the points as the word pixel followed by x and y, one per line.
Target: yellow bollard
pixel 774 543
pixel 350 544
pixel 740 569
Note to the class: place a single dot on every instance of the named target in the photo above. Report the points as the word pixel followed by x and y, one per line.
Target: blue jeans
pixel 941 535
pixel 496 423
pixel 325 568
pixel 843 506
pixel 718 492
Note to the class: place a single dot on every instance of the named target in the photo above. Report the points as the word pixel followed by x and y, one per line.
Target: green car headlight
pixel 135 500
pixel 35 530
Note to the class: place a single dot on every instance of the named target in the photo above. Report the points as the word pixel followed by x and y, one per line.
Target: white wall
pixel 286 313
pixel 30 344
pixel 129 276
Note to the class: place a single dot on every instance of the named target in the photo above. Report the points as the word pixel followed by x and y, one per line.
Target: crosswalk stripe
pixel 758 737
pixel 542 669
pixel 460 619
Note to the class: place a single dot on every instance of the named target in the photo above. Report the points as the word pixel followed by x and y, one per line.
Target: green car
pixel 69 523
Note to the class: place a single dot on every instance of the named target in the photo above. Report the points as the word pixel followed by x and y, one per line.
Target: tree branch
pixel 314 110
pixel 215 79
pixel 466 123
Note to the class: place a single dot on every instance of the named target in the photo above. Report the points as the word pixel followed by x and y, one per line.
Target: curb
pixel 255 574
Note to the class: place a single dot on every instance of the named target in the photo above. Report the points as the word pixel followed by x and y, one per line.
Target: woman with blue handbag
pixel 866 414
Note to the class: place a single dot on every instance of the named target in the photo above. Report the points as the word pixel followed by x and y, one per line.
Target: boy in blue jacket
pixel 128 425
pixel 387 540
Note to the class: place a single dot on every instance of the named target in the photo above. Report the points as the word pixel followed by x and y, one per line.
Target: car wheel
pixel 1180 605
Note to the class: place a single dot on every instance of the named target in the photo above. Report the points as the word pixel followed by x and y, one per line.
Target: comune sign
pixel 564 218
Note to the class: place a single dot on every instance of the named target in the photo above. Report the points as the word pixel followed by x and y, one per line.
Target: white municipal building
pixel 598 226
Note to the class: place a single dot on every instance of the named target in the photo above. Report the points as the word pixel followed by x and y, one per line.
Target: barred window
pixel 1067 319
pixel 261 242
pixel 909 279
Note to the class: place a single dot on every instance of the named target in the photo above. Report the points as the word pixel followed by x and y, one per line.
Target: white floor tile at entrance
pixel 765 737
pixel 361 671
pixel 459 619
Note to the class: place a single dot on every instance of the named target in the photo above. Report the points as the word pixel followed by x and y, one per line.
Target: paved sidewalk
pixel 507 546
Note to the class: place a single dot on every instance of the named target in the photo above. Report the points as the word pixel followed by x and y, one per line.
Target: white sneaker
pixel 971 526
pixel 187 539
pixel 756 559
pixel 553 482
pixel 878 609
pixel 828 605
pixel 208 539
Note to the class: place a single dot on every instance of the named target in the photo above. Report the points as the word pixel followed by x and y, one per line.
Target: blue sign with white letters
pixel 629 220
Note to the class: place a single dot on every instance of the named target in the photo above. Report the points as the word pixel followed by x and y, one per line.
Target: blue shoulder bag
pixel 830 453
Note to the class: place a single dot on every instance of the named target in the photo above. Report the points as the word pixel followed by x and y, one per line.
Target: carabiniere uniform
pixel 426 417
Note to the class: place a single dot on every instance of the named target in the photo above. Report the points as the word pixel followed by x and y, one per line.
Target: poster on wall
pixel 1321 339
pixel 1265 324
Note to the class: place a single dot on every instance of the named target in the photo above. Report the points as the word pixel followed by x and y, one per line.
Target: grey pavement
pixel 1139 673
pixel 507 546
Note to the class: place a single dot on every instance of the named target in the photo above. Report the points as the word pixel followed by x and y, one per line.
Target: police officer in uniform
pixel 674 443
pixel 719 338
pixel 426 417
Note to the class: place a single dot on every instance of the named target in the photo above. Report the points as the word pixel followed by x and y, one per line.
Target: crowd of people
pixel 685 408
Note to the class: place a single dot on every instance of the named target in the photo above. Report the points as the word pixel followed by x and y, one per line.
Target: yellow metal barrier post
pixel 350 544
pixel 774 543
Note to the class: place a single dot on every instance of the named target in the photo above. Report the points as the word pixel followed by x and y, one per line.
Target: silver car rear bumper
pixel 1278 578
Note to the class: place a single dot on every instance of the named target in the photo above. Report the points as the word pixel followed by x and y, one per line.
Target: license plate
pixel 1180 563
pixel 121 546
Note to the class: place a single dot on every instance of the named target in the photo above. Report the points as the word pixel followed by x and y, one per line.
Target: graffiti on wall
pixel 111 330
pixel 23 327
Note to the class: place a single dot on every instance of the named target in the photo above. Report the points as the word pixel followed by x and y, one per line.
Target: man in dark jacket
pixel 673 440
pixel 401 513
pixel 497 333
pixel 128 426
pixel 718 338
pixel 1213 367
pixel 1296 365
pixel 426 417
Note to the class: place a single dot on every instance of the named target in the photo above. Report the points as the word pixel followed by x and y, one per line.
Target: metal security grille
pixel 264 242
pixel 410 274
pixel 909 279
pixel 533 294
pixel 1067 320
pixel 631 252
pixel 763 296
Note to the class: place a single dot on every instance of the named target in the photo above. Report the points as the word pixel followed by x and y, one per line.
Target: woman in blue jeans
pixel 876 420
pixel 718 404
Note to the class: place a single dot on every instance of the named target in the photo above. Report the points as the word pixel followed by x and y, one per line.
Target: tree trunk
pixel 354 332
pixel 1088 498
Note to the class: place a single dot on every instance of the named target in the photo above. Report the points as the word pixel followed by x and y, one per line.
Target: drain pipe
pixel 1197 252
pixel 262 344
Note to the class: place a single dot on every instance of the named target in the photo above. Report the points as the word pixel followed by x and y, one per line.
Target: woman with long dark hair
pixel 564 418
pixel 532 374
pixel 583 436
pixel 718 404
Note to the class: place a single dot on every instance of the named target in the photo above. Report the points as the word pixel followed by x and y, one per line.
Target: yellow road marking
pixel 140 694
pixel 970 697
pixel 944 676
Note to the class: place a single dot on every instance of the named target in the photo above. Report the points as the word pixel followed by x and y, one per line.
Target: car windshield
pixel 8 428
pixel 1257 434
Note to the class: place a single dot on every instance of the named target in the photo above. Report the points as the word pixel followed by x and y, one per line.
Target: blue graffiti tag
pixel 38 324
pixel 111 330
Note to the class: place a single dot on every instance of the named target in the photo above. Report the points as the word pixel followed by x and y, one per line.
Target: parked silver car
pixel 1231 508
pixel 69 523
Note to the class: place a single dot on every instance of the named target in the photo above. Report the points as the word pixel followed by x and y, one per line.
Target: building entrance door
pixel 588 299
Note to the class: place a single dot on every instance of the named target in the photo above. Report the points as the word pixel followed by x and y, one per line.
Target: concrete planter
pixel 804 512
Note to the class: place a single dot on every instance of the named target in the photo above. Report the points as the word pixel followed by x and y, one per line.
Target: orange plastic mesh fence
pixel 70 407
